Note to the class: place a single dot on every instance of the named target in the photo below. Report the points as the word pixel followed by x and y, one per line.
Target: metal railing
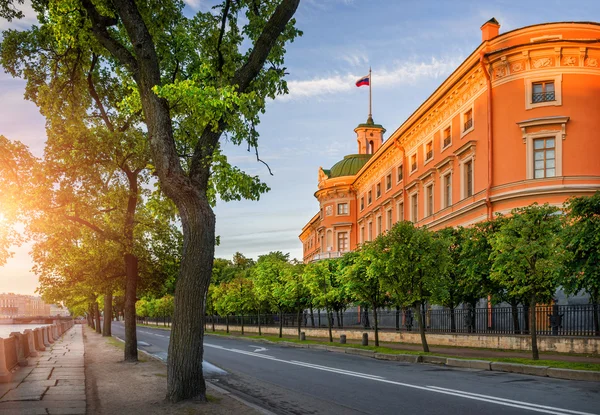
pixel 447 141
pixel 468 124
pixel 429 154
pixel 565 320
pixel 327 255
pixel 543 97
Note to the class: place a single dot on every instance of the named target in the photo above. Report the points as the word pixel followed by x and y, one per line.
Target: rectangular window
pixel 468 178
pixel 379 225
pixel 468 120
pixel 544 158
pixel 400 211
pixel 362 203
pixel 389 219
pixel 447 190
pixel 362 234
pixel 429 196
pixel 400 172
pixel 446 137
pixel 542 92
pixel 413 163
pixel 342 241
pixel 378 190
pixel 342 208
pixel 369 198
pixel 414 206
pixel 429 151
pixel 370 231
pixel 388 182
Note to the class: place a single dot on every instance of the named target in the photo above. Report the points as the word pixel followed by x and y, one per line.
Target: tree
pixel 527 257
pixel 320 279
pixel 194 80
pixel 412 267
pixel 359 274
pixel 581 236
pixel 295 293
pixel 269 276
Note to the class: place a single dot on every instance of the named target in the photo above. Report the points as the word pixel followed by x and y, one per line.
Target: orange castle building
pixel 517 122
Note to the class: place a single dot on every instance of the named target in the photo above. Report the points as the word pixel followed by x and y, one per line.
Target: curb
pixel 544 371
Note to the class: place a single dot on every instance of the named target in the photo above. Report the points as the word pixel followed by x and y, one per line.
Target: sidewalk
pixel 115 387
pixel 52 383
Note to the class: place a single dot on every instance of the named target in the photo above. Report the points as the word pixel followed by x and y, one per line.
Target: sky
pixel 411 46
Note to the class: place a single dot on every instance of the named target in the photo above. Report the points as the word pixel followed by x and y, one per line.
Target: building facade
pixel 17 305
pixel 517 122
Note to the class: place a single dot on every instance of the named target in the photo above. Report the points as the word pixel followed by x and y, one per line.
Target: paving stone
pixel 65 390
pixel 42 404
pixel 66 411
pixel 23 411
pixel 65 397
pixel 68 382
pixel 24 394
pixel 37 383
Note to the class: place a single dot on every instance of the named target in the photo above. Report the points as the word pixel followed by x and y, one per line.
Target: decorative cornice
pixel 444 162
pixel 469 145
pixel 427 174
pixel 534 122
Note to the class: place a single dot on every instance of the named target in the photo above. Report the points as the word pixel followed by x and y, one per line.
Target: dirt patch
pixel 115 387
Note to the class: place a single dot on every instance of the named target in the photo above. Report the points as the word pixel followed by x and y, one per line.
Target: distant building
pixel 517 122
pixel 58 310
pixel 17 305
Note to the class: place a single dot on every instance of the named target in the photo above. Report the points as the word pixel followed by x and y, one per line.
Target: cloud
pixel 403 73
pixel 194 4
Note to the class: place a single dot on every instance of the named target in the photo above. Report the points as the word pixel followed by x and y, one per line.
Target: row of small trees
pixel 522 258
pixel 155 308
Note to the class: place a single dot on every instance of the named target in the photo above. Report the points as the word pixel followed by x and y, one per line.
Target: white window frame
pixel 362 234
pixel 378 225
pixel 337 241
pixel 401 167
pixel 389 215
pixel 370 230
pixel 462 120
pixel 400 209
pixel 414 153
pixel 426 186
pixel 411 213
pixel 548 76
pixel 443 176
pixel 442 148
pixel 427 160
pixel 529 138
pixel 378 196
pixel 338 209
pixel 463 185
pixel 391 176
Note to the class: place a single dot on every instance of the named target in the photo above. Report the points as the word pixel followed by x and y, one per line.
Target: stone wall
pixel 561 344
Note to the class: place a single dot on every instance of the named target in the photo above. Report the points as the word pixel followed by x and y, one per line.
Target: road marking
pixel 460 394
pixel 258 348
pixel 509 400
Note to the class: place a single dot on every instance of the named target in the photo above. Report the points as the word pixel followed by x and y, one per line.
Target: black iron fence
pixel 564 320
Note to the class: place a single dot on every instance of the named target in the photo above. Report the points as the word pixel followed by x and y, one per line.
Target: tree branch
pixel 84 222
pixel 95 96
pixel 100 24
pixel 221 60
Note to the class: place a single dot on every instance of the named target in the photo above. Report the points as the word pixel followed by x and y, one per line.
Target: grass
pixel 387 350
pixel 152 326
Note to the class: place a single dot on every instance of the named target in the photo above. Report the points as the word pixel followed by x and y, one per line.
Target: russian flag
pixel 365 80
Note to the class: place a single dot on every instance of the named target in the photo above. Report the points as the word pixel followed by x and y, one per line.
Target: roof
pixel 349 166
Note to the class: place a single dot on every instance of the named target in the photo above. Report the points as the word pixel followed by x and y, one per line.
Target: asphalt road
pixel 288 380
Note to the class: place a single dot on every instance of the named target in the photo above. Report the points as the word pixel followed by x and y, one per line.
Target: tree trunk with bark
pixel 312 317
pixel 280 323
pixel 107 328
pixel 376 325
pixel 259 326
pixel 227 323
pixel 131 272
pixel 90 316
pixel 329 318
pixel 534 346
pixel 242 321
pixel 97 318
pixel 421 324
pixel 397 318
pixel 299 322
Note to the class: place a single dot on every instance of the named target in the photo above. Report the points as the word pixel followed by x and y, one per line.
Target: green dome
pixel 349 166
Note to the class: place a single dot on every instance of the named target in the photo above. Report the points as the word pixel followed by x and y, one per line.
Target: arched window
pixel 329 240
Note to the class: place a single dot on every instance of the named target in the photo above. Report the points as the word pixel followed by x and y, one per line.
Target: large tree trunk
pixel 421 323
pixel 376 326
pixel 185 378
pixel 312 317
pixel 90 316
pixel 131 271
pixel 280 323
pixel 259 326
pixel 534 347
pixel 106 329
pixel 397 318
pixel 97 317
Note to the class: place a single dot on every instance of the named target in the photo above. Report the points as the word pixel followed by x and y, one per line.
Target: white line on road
pixel 460 394
pixel 258 348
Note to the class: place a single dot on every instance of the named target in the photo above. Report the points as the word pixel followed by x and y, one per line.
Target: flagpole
pixel 370 104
